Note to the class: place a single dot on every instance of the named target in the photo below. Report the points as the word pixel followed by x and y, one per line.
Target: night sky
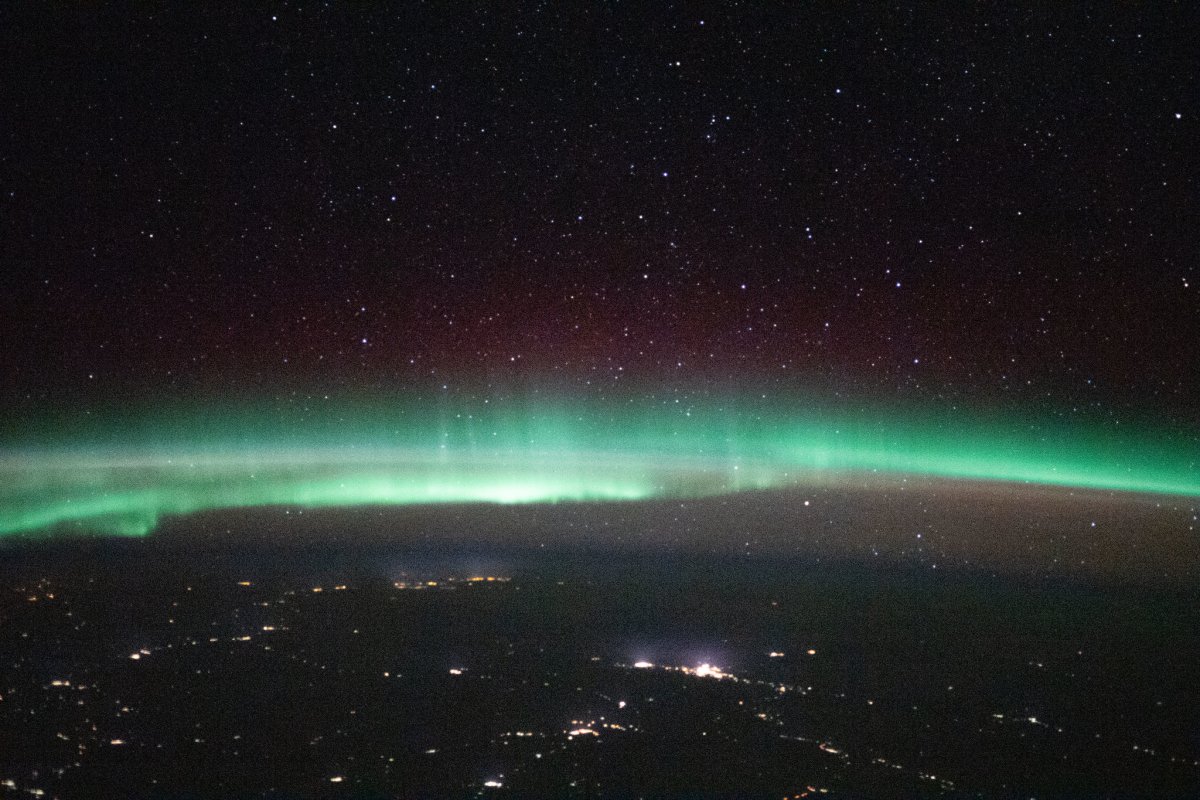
pixel 973 212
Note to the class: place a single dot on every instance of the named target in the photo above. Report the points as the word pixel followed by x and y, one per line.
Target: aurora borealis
pixel 467 265
pixel 121 475
pixel 463 262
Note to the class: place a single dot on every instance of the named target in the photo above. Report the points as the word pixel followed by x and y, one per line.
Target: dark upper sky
pixel 987 203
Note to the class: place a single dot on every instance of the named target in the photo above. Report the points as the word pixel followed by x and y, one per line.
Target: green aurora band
pixel 121 476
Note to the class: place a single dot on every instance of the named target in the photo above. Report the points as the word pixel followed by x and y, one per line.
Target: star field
pixel 979 206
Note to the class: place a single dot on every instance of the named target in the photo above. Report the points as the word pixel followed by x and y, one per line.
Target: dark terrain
pixel 138 669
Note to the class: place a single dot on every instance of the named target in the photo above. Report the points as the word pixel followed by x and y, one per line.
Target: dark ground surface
pixel 921 682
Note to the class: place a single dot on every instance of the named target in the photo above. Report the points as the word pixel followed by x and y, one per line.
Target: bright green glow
pixel 120 477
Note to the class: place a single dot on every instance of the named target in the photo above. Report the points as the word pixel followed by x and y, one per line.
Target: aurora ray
pixel 121 476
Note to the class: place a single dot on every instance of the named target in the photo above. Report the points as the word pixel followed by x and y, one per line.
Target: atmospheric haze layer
pixel 121 474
